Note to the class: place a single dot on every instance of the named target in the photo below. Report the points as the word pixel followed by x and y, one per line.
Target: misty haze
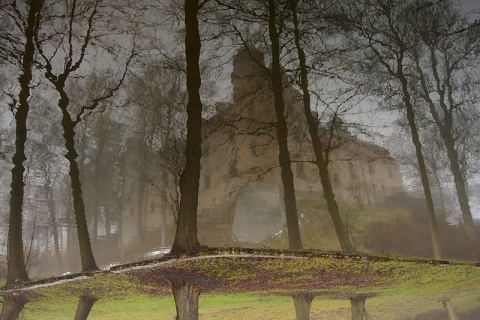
pixel 271 159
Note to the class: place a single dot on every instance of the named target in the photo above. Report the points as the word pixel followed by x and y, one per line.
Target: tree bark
pixel 358 307
pixel 13 305
pixel 84 306
pixel 320 160
pixel 186 299
pixel 289 198
pixel 186 238
pixel 16 270
pixel 303 304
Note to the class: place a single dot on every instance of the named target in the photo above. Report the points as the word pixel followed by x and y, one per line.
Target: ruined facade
pixel 241 187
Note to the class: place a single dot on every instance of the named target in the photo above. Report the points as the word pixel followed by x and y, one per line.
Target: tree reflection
pixel 358 307
pixel 13 304
pixel 302 303
pixel 452 313
pixel 186 297
pixel 85 304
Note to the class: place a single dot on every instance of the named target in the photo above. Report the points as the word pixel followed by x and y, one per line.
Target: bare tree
pixel 384 29
pixel 257 23
pixel 445 63
pixel 25 16
pixel 282 131
pixel 321 161
pixel 71 47
pixel 186 238
pixel 159 91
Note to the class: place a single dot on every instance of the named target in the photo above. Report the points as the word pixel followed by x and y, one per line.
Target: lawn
pixel 253 287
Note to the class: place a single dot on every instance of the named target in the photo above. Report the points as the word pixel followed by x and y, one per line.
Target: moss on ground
pixel 260 288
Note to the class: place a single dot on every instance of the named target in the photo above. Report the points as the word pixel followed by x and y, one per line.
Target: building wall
pixel 240 153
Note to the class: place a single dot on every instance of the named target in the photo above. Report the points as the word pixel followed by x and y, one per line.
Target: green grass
pixel 401 290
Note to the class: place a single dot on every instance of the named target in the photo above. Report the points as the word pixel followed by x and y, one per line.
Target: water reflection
pixel 186 297
pixel 306 306
pixel 303 303
pixel 85 304
pixel 358 307
pixel 13 304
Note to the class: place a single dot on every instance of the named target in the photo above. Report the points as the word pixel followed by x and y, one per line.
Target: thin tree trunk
pixel 86 254
pixel 53 221
pixel 432 221
pixel 320 160
pixel 462 195
pixel 289 199
pixel 186 238
pixel 452 313
pixel 445 128
pixel 446 131
pixel 186 299
pixel 16 270
pixel 303 304
pixel 440 191
pixel 84 306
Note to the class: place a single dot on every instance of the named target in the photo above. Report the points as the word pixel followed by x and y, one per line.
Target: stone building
pixel 241 188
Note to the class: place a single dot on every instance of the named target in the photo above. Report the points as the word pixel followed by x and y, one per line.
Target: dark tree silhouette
pixel 443 62
pixel 321 161
pixel 388 45
pixel 72 62
pixel 294 240
pixel 186 238
pixel 16 263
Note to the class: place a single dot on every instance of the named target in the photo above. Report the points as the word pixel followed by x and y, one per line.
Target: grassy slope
pixel 401 290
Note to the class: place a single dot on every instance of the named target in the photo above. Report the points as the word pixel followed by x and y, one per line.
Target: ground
pixel 236 283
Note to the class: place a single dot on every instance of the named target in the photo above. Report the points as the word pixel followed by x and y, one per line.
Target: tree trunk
pixel 16 263
pixel 432 221
pixel 186 299
pixel 452 313
pixel 302 306
pixel 289 199
pixel 85 304
pixel 358 307
pixel 461 193
pixel 53 220
pixel 445 128
pixel 320 160
pixel 86 254
pixel 13 305
pixel 446 131
pixel 186 238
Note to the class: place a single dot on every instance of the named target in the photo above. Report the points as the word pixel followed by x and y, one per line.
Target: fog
pixel 347 127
